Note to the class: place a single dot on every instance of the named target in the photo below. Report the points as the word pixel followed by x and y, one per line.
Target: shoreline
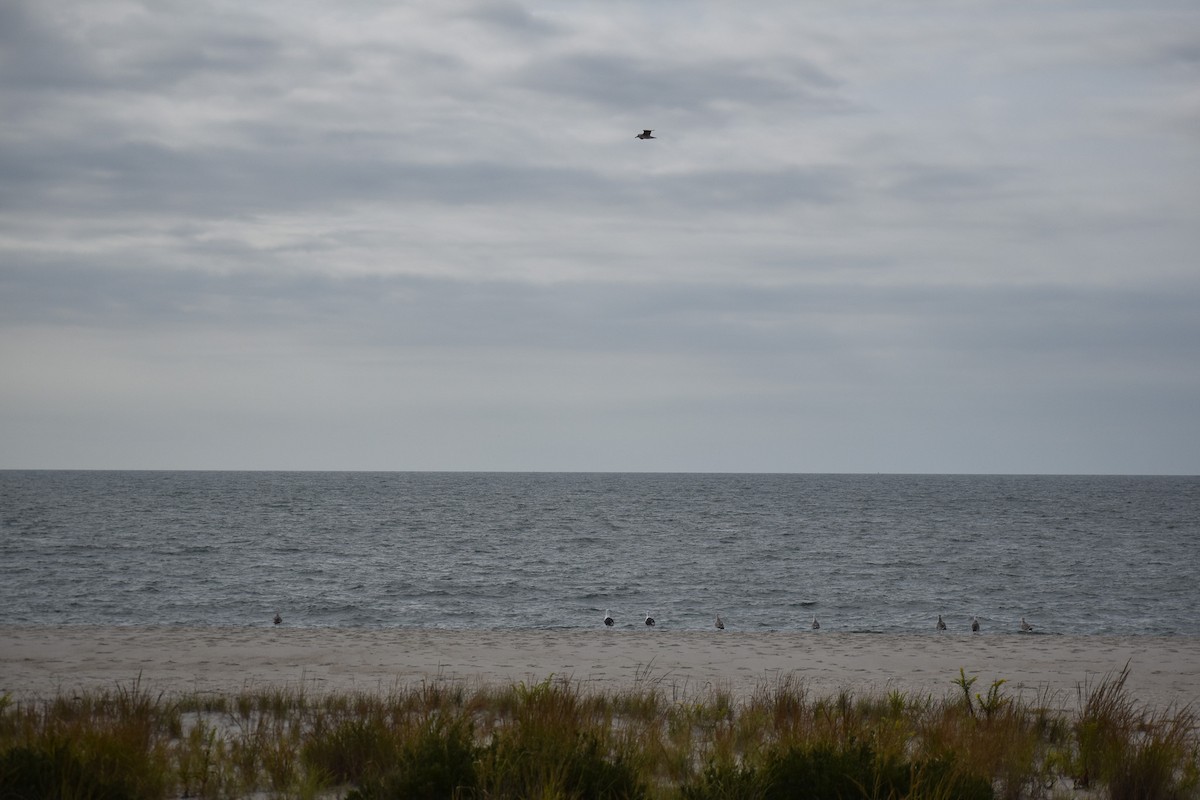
pixel 45 661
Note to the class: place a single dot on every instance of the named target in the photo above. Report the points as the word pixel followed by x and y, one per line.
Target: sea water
pixel 886 553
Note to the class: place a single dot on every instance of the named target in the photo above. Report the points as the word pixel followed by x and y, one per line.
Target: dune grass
pixel 557 739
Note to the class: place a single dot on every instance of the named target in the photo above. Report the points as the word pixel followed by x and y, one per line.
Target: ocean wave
pixel 872 554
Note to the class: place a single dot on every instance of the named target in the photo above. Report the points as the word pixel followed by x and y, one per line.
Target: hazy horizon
pixel 623 472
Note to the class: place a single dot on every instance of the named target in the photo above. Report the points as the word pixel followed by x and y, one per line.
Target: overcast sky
pixel 886 236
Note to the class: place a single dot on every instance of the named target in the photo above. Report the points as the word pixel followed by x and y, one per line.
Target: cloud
pixel 37 56
pixel 512 19
pixel 649 85
pixel 962 223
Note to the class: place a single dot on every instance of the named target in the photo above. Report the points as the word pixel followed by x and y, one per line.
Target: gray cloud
pixel 1035 322
pixel 512 19
pixel 936 183
pixel 860 242
pixel 154 179
pixel 37 57
pixel 645 85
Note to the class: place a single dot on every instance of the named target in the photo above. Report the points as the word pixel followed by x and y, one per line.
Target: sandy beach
pixel 43 661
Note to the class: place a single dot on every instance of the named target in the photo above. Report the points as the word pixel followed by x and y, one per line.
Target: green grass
pixel 555 739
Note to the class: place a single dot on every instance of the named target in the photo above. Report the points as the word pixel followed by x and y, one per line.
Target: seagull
pixel 974 624
pixel 720 624
pixel 278 619
pixel 649 620
pixel 645 135
pixel 816 626
pixel 608 620
pixel 941 626
pixel 1025 626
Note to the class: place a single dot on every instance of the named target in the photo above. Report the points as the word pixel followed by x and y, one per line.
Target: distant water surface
pixel 888 553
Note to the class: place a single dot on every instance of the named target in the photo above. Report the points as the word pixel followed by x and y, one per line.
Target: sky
pixel 949 237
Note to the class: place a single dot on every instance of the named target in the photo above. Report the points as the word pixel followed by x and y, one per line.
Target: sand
pixel 44 661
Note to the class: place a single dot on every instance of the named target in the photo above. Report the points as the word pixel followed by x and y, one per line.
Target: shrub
pixel 548 740
pixel 1160 763
pixel 1107 721
pixel 827 773
pixel 438 761
pixel 351 751
pixel 725 781
pixel 520 765
pixel 58 770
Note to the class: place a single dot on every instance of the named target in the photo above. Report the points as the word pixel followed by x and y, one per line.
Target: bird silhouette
pixel 974 624
pixel 645 135
pixel 720 625
pixel 649 620
pixel 608 620
pixel 941 624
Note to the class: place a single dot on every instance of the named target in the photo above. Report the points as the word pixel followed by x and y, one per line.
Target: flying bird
pixel 608 620
pixel 719 623
pixel 974 624
pixel 941 626
pixel 649 620
pixel 645 135
pixel 1025 626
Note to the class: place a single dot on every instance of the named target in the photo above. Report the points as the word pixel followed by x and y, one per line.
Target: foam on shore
pixel 43 661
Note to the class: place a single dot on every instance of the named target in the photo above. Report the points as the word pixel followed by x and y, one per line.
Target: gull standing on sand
pixel 974 624
pixel 608 620
pixel 1025 626
pixel 719 623
pixel 816 626
pixel 649 620
pixel 941 626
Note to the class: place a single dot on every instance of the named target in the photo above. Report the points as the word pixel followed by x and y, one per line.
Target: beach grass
pixel 558 739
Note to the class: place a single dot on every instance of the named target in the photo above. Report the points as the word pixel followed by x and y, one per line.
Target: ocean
pixel 869 553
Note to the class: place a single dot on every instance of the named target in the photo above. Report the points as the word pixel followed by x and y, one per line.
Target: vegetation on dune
pixel 555 739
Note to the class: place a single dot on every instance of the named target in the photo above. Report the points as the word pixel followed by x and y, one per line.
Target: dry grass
pixel 555 739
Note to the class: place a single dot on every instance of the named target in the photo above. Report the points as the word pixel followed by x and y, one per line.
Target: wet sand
pixel 44 661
